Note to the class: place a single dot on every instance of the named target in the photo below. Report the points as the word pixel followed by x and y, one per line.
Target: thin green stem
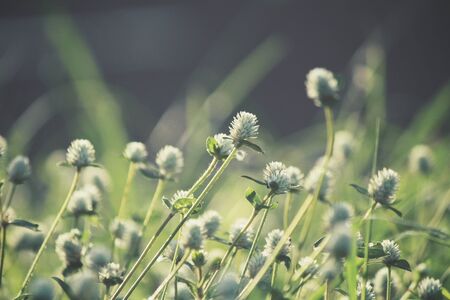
pixel 156 196
pixel 171 275
pixel 10 196
pixel 2 260
pixel 273 279
pixel 327 291
pixel 204 176
pixel 107 289
pixel 388 284
pixel 287 207
pixel 126 190
pixel 197 202
pixel 228 265
pixel 50 232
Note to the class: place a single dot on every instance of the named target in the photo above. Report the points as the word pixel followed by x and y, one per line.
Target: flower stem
pixel 171 275
pixel 177 228
pixel 157 195
pixel 204 176
pixel 287 207
pixel 388 284
pixel 50 232
pixel 126 190
pixel 272 280
pixel 2 260
pixel 301 212
pixel 327 291
pixel 10 196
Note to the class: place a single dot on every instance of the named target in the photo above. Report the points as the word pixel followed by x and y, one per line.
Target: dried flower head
pixel 3 146
pixel 321 86
pixel 339 213
pixel 380 283
pixel 276 177
pixel 135 152
pixel 391 250
pixel 340 243
pixel 246 239
pixel 243 127
pixel 272 241
pixel 19 170
pixel 81 153
pixel 42 289
pixel 296 177
pixel 111 274
pixel 421 159
pixel 383 186
pixel 224 145
pixel 170 161
pixel 69 249
pixel 193 235
pixel 211 222
pixel 313 178
pixel 429 289
pixel 344 144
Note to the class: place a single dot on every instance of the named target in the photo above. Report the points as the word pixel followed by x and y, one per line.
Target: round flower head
pixel 339 213
pixel 380 283
pixel 421 159
pixel 26 240
pixel 228 287
pixel 296 177
pixel 430 289
pixel 255 264
pixel 19 170
pixel 211 222
pixel 81 153
pixel 94 194
pixel 310 264
pixel 3 146
pixel 97 258
pixel 370 294
pixel 98 177
pixel 199 258
pixel 42 289
pixel 383 186
pixel 84 285
pixel 272 241
pixel 327 183
pixel 80 204
pixel 68 248
pixel 224 145
pixel 243 127
pixel 344 144
pixel 391 250
pixel 341 242
pixel 321 86
pixel 170 161
pixel 193 235
pixel 135 152
pixel 276 177
pixel 246 239
pixel 131 239
pixel 331 269
pixel 169 252
pixel 111 274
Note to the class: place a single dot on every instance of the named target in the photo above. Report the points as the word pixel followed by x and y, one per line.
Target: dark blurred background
pixel 153 54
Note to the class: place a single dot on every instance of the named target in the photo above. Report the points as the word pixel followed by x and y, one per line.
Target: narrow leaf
pixel 252 146
pixel 25 224
pixel 445 293
pixel 167 202
pixel 360 189
pixel 149 172
pixel 254 180
pixel 402 264
pixel 397 212
pixel 66 288
pixel 252 196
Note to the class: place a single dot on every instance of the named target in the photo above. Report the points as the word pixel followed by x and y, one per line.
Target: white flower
pixel 170 161
pixel 111 274
pixel 296 177
pixel 85 285
pixel 272 241
pixel 211 221
pixel 391 250
pixel 276 177
pixel 228 287
pixel 341 242
pixel 344 144
pixel 80 203
pixel 321 86
pixel 421 159
pixel 135 152
pixel 68 248
pixel 81 153
pixel 193 235
pixel 224 144
pixel 255 264
pixel 430 289
pixel 310 264
pixel 19 170
pixel 97 258
pixel 243 127
pixel 383 186
pixel 169 252
pixel 98 177
pixel 246 239
pixel 339 213
pixel 370 294
pixel 312 180
pixel 128 236
pixel 380 283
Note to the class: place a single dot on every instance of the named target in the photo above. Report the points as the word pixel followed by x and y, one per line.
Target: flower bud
pixel 430 289
pixel 421 159
pixel 112 274
pixel 198 258
pixel 391 250
pixel 224 145
pixel 276 177
pixel 246 239
pixel 170 161
pixel 135 152
pixel 321 87
pixel 211 222
pixel 81 153
pixel 243 127
pixel 383 186
pixel 193 235
pixel 272 241
pixel 19 170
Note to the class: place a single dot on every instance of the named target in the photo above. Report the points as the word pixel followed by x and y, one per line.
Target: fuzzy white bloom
pixel 370 294
pixel 81 153
pixel 344 144
pixel 383 186
pixel 312 180
pixel 19 170
pixel 80 204
pixel 340 243
pixel 85 285
pixel 3 146
pixel 391 250
pixel 128 235
pixel 421 159
pixel 228 287
pixel 339 213
pixel 180 194
pixel 111 274
pixel 68 248
pixel 97 258
pixel 296 177
pixel 331 269
pixel 42 289
pixel 310 264
pixel 243 127
pixel 429 289
pixel 225 145
pixel 255 264
pixel 246 239
pixel 272 241
pixel 26 240
pixel 98 177
pixel 211 222
pixel 169 252
pixel 380 283
pixel 193 235
pixel 321 86
pixel 135 152
pixel 170 161
pixel 276 177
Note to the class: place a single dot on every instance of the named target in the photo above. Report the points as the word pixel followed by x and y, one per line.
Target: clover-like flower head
pixel 341 241
pixel 391 250
pixel 429 289
pixel 339 213
pixel 19 170
pixel 370 293
pixel 421 159
pixel 211 222
pixel 193 235
pixel 296 177
pixel 383 186
pixel 272 241
pixel 255 264
pixel 344 144
pixel 81 153
pixel 68 247
pixel 170 161
pixel 246 239
pixel 135 152
pixel 112 274
pixel 321 86
pixel 312 180
pixel 243 127
pixel 224 145
pixel 276 177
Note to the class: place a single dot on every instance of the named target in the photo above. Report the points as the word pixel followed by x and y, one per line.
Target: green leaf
pixel 24 224
pixel 252 146
pixel 65 287
pixel 149 171
pixel 402 264
pixel 360 189
pixel 252 196
pixel 167 202
pixel 397 212
pixel 95 165
pixel 375 251
pixel 254 180
pixel 183 205
pixel 211 146
pixel 63 164
pixel 445 293
pixel 318 242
